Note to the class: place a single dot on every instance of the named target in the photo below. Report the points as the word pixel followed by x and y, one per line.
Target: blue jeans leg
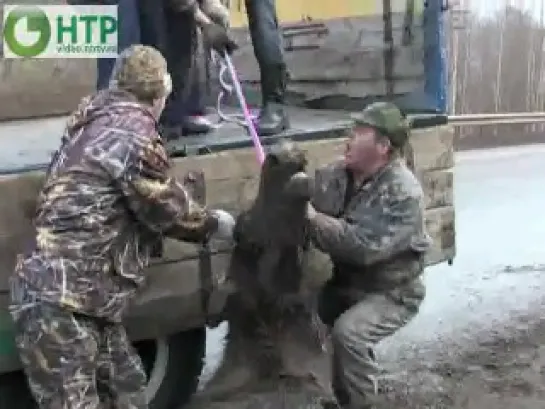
pixel 186 98
pixel 265 33
pixel 128 34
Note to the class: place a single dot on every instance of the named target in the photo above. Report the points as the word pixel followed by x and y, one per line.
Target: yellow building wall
pixel 291 11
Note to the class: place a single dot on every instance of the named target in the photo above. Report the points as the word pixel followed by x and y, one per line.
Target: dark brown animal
pixel 275 355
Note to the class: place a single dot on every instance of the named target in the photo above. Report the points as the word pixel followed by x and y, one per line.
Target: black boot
pixel 170 133
pixel 197 124
pixel 273 118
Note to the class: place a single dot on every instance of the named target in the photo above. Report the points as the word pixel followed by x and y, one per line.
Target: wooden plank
pixel 18 204
pixel 348 60
pixel 441 227
pixel 36 88
pixel 231 177
pixel 439 222
pixel 309 90
pixel 343 52
pixel 43 87
pixel 237 191
pixel 433 148
pixel 438 186
pixel 232 180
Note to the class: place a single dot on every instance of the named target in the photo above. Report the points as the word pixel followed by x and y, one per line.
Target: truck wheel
pixel 173 365
pixel 14 389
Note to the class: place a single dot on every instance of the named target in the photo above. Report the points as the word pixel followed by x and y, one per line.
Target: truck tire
pixel 14 391
pixel 173 364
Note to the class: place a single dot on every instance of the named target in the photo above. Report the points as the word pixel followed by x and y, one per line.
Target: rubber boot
pixel 273 118
pixel 196 124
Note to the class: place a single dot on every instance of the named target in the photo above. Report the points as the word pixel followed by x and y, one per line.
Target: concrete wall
pixel 34 88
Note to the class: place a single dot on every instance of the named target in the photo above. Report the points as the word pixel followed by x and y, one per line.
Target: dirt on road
pixel 478 341
pixel 498 374
pixel 493 364
pixel 487 360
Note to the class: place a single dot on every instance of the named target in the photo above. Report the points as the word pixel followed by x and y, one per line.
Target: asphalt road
pixel 476 342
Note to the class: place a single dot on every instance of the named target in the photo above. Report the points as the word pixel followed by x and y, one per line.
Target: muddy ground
pixel 479 339
pixel 501 365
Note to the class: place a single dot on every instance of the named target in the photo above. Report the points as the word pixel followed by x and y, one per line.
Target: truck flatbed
pixel 27 145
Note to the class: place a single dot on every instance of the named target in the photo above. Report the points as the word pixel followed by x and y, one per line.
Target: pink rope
pixel 259 151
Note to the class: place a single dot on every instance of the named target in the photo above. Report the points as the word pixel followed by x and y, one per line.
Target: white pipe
pixel 497 119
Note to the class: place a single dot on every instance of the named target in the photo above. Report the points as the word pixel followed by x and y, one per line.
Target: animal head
pixel 283 174
pixel 272 234
pixel 284 191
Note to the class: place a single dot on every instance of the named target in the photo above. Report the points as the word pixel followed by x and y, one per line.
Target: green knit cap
pixel 142 71
pixel 387 119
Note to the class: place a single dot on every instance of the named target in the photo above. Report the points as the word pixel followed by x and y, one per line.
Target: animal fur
pixel 275 354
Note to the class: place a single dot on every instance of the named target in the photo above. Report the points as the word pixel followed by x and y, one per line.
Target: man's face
pixel 365 149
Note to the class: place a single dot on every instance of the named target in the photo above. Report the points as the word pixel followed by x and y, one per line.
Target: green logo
pixel 37 22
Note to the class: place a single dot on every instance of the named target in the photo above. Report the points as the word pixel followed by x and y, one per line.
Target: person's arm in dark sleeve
pixel 183 5
pixel 193 7
pixel 157 200
pixel 370 238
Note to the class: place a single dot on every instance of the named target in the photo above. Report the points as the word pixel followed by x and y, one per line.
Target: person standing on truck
pixel 106 203
pixel 266 38
pixel 171 26
pixel 368 215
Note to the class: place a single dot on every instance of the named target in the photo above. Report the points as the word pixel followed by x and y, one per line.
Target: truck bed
pixel 28 144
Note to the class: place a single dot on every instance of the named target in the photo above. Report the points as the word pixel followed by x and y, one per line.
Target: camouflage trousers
pixel 78 362
pixel 359 322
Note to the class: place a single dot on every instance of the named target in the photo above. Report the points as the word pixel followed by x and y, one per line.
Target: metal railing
pixel 497 119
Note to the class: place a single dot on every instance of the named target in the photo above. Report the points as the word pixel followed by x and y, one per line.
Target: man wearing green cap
pixel 368 215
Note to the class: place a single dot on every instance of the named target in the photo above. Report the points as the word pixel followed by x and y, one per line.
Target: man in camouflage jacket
pixel 106 202
pixel 368 215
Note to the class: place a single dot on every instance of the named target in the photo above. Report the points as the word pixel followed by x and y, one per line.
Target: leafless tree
pixel 497 65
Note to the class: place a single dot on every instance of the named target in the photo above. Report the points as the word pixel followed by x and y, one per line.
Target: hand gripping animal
pixel 275 355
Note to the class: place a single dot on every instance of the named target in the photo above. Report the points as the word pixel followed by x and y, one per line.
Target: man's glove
pixel 225 225
pixel 218 38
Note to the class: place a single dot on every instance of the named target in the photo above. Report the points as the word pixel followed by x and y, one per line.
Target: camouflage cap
pixel 142 71
pixel 387 119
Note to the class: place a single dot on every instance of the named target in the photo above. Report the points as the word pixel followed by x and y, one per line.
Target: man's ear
pixel 300 186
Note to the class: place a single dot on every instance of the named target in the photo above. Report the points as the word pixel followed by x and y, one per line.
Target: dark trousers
pixel 265 33
pixel 128 34
pixel 174 34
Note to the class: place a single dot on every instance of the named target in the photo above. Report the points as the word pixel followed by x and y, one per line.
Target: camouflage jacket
pixel 377 239
pixel 106 202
